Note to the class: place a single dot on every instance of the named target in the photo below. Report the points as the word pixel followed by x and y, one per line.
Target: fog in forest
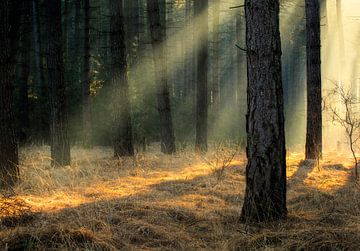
pixel 179 124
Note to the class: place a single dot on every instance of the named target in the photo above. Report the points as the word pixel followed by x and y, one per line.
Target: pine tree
pixel 265 196
pixel 60 145
pixel 123 145
pixel 313 147
pixel 158 38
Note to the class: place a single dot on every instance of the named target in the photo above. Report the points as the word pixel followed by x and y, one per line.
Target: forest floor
pixel 180 202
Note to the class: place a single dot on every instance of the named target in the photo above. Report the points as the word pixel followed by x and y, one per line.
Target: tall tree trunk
pixel 86 99
pixel 158 40
pixel 9 171
pixel 265 197
pixel 123 144
pixel 25 47
pixel 314 110
pixel 188 62
pixel 201 12
pixel 65 28
pixel 60 146
pixel 40 75
pixel 216 56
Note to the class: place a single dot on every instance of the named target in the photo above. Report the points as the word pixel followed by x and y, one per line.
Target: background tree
pixel 123 145
pixel 24 71
pixel 265 196
pixel 158 40
pixel 86 81
pixel 313 148
pixel 201 28
pixel 60 145
pixel 9 171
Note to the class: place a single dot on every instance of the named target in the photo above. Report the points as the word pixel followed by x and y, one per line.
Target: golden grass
pixel 158 202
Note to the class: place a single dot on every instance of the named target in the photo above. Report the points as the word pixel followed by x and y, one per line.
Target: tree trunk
pixel 86 98
pixel 201 28
pixel 314 110
pixel 9 171
pixel 265 197
pixel 123 144
pixel 40 75
pixel 25 47
pixel 216 56
pixel 60 146
pixel 158 39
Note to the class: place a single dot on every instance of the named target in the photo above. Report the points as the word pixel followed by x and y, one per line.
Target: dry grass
pixel 157 202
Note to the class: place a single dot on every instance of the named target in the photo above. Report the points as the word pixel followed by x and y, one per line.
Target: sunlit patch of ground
pixel 158 202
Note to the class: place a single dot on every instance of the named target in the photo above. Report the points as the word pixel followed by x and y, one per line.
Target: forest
pixel 179 125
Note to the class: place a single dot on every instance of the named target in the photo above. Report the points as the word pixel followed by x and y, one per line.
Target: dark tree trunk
pixel 158 38
pixel 40 75
pixel 314 103
pixel 216 57
pixel 60 146
pixel 188 62
pixel 200 10
pixel 123 144
pixel 9 171
pixel 86 99
pixel 265 197
pixel 24 71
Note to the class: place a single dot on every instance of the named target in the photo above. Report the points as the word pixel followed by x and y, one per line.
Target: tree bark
pixel 9 171
pixel 158 41
pixel 201 28
pixel 60 146
pixel 313 148
pixel 86 98
pixel 123 143
pixel 265 197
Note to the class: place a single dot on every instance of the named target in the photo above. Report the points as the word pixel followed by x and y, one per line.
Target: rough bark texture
pixel 60 146
pixel 158 39
pixel 123 143
pixel 86 99
pixel 313 147
pixel 265 198
pixel 8 146
pixel 200 11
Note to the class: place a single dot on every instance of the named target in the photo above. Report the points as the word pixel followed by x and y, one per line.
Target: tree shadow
pixel 197 213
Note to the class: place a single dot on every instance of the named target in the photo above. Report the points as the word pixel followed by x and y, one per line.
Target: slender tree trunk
pixel 265 197
pixel 158 40
pixel 216 56
pixel 314 110
pixel 188 62
pixel 201 12
pixel 9 171
pixel 40 75
pixel 25 47
pixel 123 144
pixel 65 27
pixel 60 146
pixel 86 98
